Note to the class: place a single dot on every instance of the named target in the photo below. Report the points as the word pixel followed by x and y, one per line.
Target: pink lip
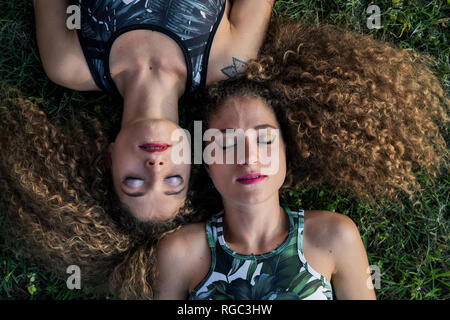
pixel 251 178
pixel 154 147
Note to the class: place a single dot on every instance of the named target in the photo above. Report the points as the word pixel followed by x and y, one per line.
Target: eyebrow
pixel 140 194
pixel 261 126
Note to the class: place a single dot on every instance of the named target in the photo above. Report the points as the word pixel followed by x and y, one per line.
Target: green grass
pixel 408 241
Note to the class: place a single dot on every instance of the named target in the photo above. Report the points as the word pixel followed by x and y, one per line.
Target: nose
pixel 155 164
pixel 251 150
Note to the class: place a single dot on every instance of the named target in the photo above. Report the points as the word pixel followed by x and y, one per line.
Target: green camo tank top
pixel 282 274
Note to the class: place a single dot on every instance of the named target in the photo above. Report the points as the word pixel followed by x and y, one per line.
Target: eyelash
pixel 175 176
pixel 270 142
pixel 228 147
pixel 133 178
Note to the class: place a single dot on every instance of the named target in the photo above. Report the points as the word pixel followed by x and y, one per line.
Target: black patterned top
pixel 190 23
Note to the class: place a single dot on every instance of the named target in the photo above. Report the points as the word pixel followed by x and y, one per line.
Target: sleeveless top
pixel 192 24
pixel 282 274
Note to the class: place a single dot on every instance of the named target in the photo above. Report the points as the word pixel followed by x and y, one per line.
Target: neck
pixel 256 228
pixel 149 95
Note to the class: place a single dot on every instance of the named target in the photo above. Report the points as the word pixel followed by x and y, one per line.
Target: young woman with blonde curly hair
pixel 358 113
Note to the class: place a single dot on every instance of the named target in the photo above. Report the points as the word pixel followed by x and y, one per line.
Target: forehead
pixel 242 112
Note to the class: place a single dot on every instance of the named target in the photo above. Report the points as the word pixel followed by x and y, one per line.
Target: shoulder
pixel 331 231
pixel 335 225
pixel 184 250
pixel 191 236
pixel 338 235
pixel 345 249
pixel 181 256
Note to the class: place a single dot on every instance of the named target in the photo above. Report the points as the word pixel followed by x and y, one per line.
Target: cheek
pixel 277 166
pixel 120 152
pixel 121 160
pixel 125 163
pixel 282 166
pixel 220 175
pixel 187 170
pixel 185 173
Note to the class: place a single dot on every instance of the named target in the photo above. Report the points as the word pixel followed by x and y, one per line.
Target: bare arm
pixel 249 20
pixel 183 259
pixel 171 282
pixel 350 277
pixel 59 48
pixel 244 34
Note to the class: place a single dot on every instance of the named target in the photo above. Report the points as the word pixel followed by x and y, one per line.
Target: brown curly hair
pixel 59 203
pixel 356 113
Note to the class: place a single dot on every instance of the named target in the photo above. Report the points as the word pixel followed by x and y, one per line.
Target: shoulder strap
pixel 211 229
pixel 300 226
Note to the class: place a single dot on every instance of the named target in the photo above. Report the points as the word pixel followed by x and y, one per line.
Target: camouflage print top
pixel 282 274
pixel 192 24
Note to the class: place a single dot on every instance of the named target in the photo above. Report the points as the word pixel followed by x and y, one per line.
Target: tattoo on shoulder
pixel 238 67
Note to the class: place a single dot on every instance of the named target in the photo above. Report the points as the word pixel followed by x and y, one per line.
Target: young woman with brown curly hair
pixel 60 205
pixel 257 248
pixel 347 110
pixel 359 114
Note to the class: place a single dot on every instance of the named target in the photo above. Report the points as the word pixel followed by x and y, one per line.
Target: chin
pixel 253 198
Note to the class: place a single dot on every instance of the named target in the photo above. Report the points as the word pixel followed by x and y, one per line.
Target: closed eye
pixel 226 142
pixel 174 181
pixel 266 138
pixel 133 183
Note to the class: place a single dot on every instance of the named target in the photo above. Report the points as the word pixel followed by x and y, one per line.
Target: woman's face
pixel 259 173
pixel 148 180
